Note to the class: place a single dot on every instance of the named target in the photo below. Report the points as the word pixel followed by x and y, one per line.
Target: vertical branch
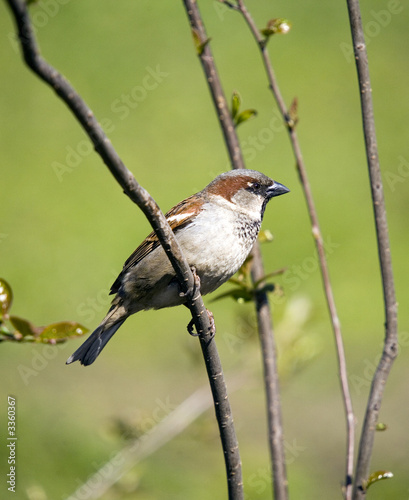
pixel 391 323
pixel 214 84
pixel 146 203
pixel 276 442
pixel 273 400
pixel 290 123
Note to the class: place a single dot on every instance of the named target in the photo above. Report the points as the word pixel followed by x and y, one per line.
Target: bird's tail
pixel 88 352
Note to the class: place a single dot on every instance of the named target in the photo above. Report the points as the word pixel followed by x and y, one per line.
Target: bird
pixel 216 229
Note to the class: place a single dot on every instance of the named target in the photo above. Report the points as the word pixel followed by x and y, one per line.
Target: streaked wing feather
pixel 179 216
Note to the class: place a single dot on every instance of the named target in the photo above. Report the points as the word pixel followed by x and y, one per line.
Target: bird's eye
pixel 256 186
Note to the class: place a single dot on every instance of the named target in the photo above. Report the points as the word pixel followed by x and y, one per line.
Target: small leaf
pixel 270 275
pixel 125 430
pixel 5 331
pixel 246 266
pixel 381 427
pixel 265 236
pixel 238 294
pixel 51 334
pixel 268 288
pixel 24 327
pixel 282 26
pixel 235 104
pixel 196 38
pixel 276 26
pixel 198 42
pixel 266 32
pixel 292 117
pixel 6 297
pixel 5 334
pixel 245 115
pixel 238 281
pixel 377 476
pixel 60 332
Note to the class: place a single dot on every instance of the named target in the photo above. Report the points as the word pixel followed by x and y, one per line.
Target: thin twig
pixel 151 210
pixel 390 347
pixel 139 449
pixel 272 389
pixel 214 84
pixel 350 420
pixel 265 328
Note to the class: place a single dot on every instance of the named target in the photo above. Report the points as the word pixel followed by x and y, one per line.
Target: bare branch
pixel 391 322
pixel 290 122
pixel 151 210
pixel 265 328
pixel 215 87
pixel 272 386
pixel 137 450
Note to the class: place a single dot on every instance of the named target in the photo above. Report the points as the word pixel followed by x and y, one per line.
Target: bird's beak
pixel 276 189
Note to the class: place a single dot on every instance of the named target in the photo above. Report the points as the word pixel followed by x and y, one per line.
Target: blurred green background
pixel 66 229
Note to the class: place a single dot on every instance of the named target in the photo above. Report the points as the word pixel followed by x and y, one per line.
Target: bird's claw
pixel 212 328
pixel 212 331
pixel 192 290
pixel 190 327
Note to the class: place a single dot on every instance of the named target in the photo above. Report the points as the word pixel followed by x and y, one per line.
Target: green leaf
pixel 24 327
pixel 283 26
pixel 6 334
pixel 381 427
pixel 270 275
pixel 268 288
pixel 266 32
pixel 245 115
pixel 6 297
pixel 245 270
pixel 238 281
pixel 235 104
pixel 51 334
pixel 238 294
pixel 5 331
pixel 265 236
pixel 377 476
pixel 60 332
pixel 276 26
pixel 292 118
pixel 200 46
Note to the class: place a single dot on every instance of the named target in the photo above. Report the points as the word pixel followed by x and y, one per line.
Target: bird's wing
pixel 178 217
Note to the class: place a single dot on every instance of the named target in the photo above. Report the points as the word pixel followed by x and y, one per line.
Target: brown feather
pixel 191 207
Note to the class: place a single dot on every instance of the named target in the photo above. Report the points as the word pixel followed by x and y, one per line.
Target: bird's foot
pixel 212 328
pixel 190 327
pixel 192 292
pixel 212 331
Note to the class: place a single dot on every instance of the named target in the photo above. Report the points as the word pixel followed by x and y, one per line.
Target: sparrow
pixel 216 230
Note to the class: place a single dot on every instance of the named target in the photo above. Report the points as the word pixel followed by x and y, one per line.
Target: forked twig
pixel 390 348
pixel 140 448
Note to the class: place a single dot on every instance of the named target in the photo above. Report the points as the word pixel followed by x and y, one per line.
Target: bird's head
pixel 248 190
